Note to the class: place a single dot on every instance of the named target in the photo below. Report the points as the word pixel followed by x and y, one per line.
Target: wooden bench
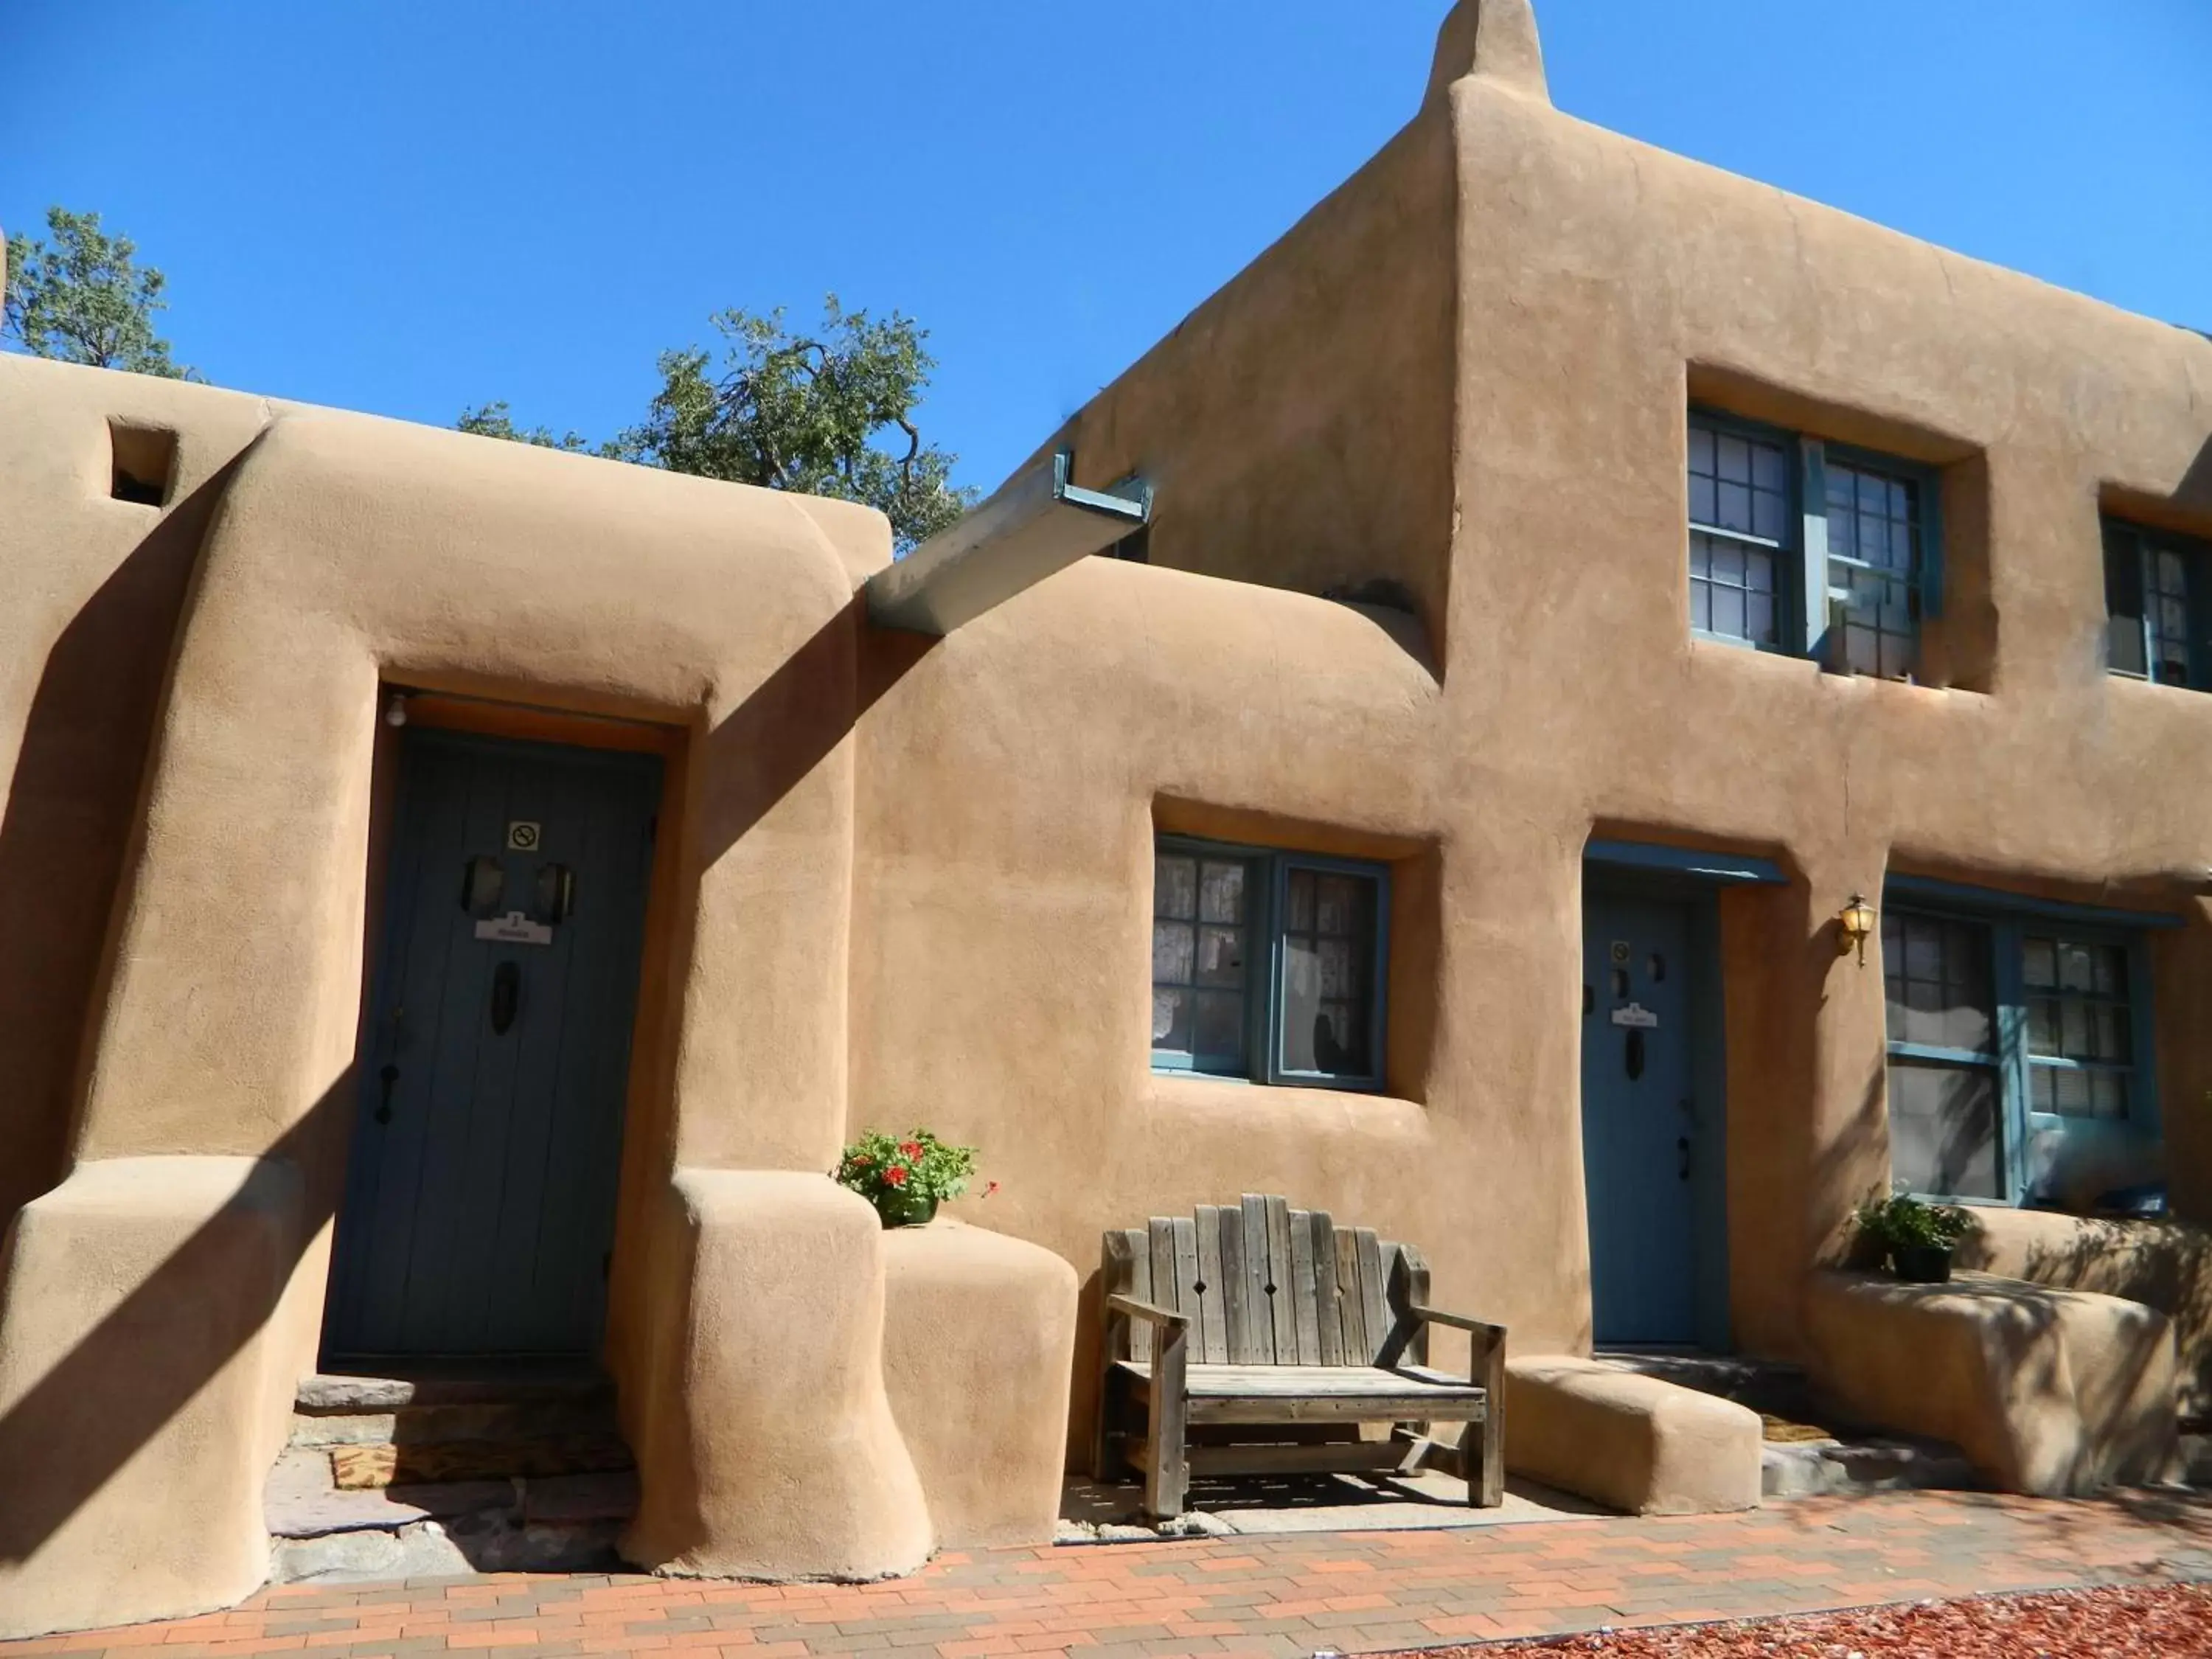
pixel 1257 1316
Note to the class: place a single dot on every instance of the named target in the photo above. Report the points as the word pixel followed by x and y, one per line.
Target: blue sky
pixel 408 206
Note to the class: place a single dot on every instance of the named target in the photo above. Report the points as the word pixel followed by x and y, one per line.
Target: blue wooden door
pixel 1639 1123
pixel 478 1212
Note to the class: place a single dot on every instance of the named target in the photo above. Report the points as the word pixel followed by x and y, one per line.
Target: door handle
pixel 1682 1148
pixel 387 1077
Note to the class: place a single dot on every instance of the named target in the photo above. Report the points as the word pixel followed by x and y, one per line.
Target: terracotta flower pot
pixel 1921 1264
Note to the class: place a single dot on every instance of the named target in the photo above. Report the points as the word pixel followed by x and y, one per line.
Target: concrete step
pixel 1772 1387
pixel 1816 1469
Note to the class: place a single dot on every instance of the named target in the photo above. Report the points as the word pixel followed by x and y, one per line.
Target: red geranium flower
pixel 896 1174
pixel 910 1148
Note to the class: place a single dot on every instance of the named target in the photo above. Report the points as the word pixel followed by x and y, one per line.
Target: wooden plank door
pixel 479 1211
pixel 1640 1145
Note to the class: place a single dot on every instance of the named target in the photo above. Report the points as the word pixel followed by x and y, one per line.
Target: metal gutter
pixel 1038 523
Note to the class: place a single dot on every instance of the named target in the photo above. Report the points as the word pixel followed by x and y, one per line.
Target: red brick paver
pixel 1283 1595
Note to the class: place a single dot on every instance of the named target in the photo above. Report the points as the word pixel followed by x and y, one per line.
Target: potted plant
pixel 906 1176
pixel 1917 1237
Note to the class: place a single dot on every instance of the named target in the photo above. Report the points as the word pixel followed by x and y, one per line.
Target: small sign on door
pixel 522 835
pixel 1637 1015
pixel 515 927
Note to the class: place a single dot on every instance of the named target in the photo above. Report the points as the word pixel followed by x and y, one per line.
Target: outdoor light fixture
pixel 1854 927
pixel 395 709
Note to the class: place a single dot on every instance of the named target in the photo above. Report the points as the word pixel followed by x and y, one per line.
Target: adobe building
pixel 1574 576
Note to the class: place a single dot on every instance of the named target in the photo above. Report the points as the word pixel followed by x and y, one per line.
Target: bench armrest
pixel 1147 1312
pixel 1496 1334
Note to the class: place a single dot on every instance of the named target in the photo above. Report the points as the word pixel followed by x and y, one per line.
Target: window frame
pixel 1807 608
pixel 2146 541
pixel 1267 872
pixel 1788 555
pixel 2006 923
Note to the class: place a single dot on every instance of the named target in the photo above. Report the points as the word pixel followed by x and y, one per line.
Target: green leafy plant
pixel 83 298
pixel 907 1177
pixel 830 410
pixel 1902 1222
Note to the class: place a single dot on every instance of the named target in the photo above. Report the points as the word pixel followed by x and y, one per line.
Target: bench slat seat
pixel 1256 1313
pixel 1319 1393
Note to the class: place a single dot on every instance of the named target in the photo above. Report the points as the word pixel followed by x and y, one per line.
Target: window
pixel 1874 565
pixel 2154 581
pixel 2007 1029
pixel 1267 965
pixel 1801 546
pixel 2081 1035
pixel 1944 1066
pixel 1739 516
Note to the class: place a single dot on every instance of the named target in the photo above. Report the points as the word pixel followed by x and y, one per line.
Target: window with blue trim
pixel 2155 587
pixel 2006 1031
pixel 1267 965
pixel 1801 546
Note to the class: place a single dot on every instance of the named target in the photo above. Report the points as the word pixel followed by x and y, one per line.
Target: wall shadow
pixel 76 1428
pixel 79 1423
pixel 72 811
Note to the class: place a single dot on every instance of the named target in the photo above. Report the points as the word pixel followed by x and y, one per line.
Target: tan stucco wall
pixel 2165 1265
pixel 978 1331
pixel 911 883
pixel 90 593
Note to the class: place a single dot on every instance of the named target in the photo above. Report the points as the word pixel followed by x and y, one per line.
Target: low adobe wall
pixel 2165 1265
pixel 2051 1392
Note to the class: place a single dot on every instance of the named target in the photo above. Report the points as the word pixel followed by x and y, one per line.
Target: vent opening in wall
pixel 143 461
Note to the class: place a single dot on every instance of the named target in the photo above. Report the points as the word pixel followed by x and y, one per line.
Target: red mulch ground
pixel 2172 1621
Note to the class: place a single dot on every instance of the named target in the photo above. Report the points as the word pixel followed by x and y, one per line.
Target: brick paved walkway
pixel 1260 1595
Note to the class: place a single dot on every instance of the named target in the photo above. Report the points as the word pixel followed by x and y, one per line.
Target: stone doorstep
pixel 417 1425
pixel 302 1501
pixel 555 1523
pixel 327 1394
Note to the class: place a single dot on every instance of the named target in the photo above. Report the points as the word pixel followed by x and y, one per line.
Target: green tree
pixel 83 298
pixel 493 421
pixel 830 413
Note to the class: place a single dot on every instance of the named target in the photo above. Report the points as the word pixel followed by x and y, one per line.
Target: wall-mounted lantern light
pixel 1854 927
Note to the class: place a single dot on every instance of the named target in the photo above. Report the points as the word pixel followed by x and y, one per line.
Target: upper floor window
pixel 2007 1029
pixel 1805 547
pixel 1267 965
pixel 2155 585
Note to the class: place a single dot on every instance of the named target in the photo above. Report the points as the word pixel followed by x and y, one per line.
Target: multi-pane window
pixel 1944 1068
pixel 1267 965
pixel 1801 546
pixel 1201 944
pixel 1739 523
pixel 1875 565
pixel 1329 971
pixel 2080 1025
pixel 2152 583
pixel 2002 1027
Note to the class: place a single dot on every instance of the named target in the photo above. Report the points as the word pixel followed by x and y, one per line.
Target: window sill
pixel 1296 1108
